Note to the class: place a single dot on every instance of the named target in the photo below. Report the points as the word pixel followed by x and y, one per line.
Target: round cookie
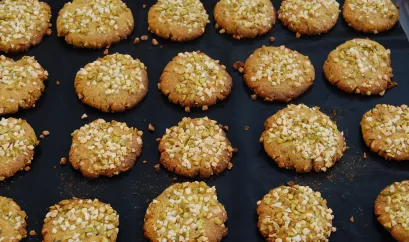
pixel 180 21
pixel 360 66
pixel 103 148
pixel 17 143
pixel 195 147
pixel 12 221
pixel 294 213
pixel 193 79
pixel 186 211
pixel 303 138
pixel 23 24
pixel 386 131
pixel 81 220
pixel 244 18
pixel 278 73
pixel 94 23
pixel 311 17
pixel 113 83
pixel 370 16
pixel 21 83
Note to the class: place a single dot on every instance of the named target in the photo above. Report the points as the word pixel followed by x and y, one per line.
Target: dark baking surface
pixel 350 187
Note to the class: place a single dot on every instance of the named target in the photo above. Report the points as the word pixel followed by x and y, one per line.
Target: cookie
pixel 113 83
pixel 302 138
pixel 21 83
pixel 180 21
pixel 278 73
pixel 12 221
pixel 81 220
pixel 360 66
pixel 294 213
pixel 17 143
pixel 370 16
pixel 103 148
pixel 244 18
pixel 195 147
pixel 186 211
pixel 311 17
pixel 193 79
pixel 23 24
pixel 386 131
pixel 76 23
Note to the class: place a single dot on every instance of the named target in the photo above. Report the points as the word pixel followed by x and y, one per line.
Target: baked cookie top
pixel 310 17
pixel 12 221
pixel 181 20
pixel 195 147
pixel 21 83
pixel 94 23
pixel 245 18
pixel 113 83
pixel 278 73
pixel 186 211
pixel 294 213
pixel 103 148
pixel 193 79
pixel 23 24
pixel 302 138
pixel 81 220
pixel 17 143
pixel 360 66
pixel 385 129
pixel 370 16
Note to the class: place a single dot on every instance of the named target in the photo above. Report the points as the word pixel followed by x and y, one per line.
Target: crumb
pixel 397 5
pixel 151 128
pixel 226 128
pixel 63 161
pixel 175 179
pixel 57 82
pixel 364 155
pixel 235 150
pixel 222 31
pixel 46 133
pixel 352 219
pixel 272 39
pixel 161 46
pixel 253 97
pixel 187 109
pixel 334 112
pixel 144 37
pixel 55 167
pixel 136 41
pixel 84 116
pixel 41 136
pixel 238 65
pixel 27 168
pixel 246 128
pixel 216 26
pixel 155 42
pixel 297 35
pixel 106 52
pixel 158 139
pixel 291 183
pixel 229 166
pixel 157 168
pixel 144 162
pixel 33 232
pixel 205 107
pixel 241 69
pixel 48 32
pixel 143 5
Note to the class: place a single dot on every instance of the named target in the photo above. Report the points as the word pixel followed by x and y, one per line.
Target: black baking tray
pixel 350 187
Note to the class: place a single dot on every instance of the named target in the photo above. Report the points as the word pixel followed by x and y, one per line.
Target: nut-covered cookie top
pixel 12 221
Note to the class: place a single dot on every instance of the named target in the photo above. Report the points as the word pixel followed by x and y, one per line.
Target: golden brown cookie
pixel 94 23
pixel 103 148
pixel 278 73
pixel 370 16
pixel 17 143
pixel 303 138
pixel 21 83
pixel 23 24
pixel 360 66
pixel 244 18
pixel 193 79
pixel 294 213
pixel 195 147
pixel 312 17
pixel 186 211
pixel 386 131
pixel 113 83
pixel 76 220
pixel 12 221
pixel 180 21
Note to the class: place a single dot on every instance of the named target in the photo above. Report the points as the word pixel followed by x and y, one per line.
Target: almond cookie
pixel 193 79
pixel 76 220
pixel 311 17
pixel 302 138
pixel 278 73
pixel 186 211
pixel 105 148
pixel 195 147
pixel 113 83
pixel 21 83
pixel 17 143
pixel 94 23
pixel 244 18
pixel 294 213
pixel 370 16
pixel 12 221
pixel 180 21
pixel 360 66
pixel 23 24
pixel 386 131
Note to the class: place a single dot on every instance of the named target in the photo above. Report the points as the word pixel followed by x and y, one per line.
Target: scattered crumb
pixel 272 39
pixel 364 155
pixel 246 128
pixel 58 83
pixel 175 179
pixel 144 37
pixel 63 161
pixel 241 69
pixel 143 5
pixel 46 133
pixel 33 232
pixel 222 31
pixel 27 168
pixel 334 112
pixel 157 168
pixel 229 166
pixel 187 109
pixel 55 167
pixel 136 41
pixel 238 65
pixel 253 97
pixel 106 52
pixel 144 162
pixel 151 128
pixel 397 5
pixel 291 183
pixel 205 108
pixel 84 116
pixel 41 136
pixel 297 35
pixel 352 219
pixel 226 128
pixel 158 139
pixel 235 150
pixel 155 42
pixel 216 26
